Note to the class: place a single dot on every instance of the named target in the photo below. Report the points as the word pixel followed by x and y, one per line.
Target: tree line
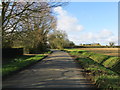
pixel 32 26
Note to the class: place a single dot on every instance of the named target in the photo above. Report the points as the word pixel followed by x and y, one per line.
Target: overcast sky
pixel 89 22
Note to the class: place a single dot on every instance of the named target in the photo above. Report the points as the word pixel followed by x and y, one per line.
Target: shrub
pixel 11 52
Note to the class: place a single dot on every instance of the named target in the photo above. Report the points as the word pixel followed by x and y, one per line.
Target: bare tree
pixel 12 14
pixel 23 19
pixel 111 43
pixel 38 27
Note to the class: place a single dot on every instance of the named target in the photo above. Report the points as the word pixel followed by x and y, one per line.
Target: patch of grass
pixel 104 77
pixel 98 57
pixel 87 54
pixel 94 67
pixel 109 82
pixel 19 63
pixel 73 50
pixel 113 63
pixel 48 52
pixel 108 61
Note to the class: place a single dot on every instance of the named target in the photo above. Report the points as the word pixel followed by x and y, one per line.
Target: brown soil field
pixel 105 51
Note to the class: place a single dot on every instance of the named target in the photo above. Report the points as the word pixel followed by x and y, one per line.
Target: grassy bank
pixel 101 69
pixel 20 63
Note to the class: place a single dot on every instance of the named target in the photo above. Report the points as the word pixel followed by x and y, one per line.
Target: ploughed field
pixel 105 51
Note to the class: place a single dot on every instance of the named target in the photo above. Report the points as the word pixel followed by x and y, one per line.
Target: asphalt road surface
pixel 58 70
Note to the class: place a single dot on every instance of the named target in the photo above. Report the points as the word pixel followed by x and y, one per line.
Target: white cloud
pixel 105 33
pixel 103 37
pixel 70 24
pixel 66 21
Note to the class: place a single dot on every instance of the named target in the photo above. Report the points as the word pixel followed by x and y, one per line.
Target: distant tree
pixel 111 43
pixel 58 39
pixel 81 44
pixel 71 44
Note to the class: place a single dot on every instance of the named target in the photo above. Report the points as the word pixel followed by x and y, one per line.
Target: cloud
pixel 105 33
pixel 70 24
pixel 66 21
pixel 103 37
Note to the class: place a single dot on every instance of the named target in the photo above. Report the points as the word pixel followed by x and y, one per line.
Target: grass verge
pixel 104 78
pixel 21 62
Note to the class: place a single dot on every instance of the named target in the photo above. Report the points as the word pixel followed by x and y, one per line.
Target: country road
pixel 58 70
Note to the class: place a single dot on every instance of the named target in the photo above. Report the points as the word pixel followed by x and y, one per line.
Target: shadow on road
pixel 56 71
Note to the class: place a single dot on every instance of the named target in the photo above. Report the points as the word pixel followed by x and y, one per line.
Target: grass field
pixel 105 51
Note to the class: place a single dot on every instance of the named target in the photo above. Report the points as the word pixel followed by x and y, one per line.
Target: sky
pixel 89 22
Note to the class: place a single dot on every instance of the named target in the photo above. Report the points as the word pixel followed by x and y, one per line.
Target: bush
pixel 11 52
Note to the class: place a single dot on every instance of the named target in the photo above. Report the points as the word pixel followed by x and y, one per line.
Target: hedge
pixel 11 52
